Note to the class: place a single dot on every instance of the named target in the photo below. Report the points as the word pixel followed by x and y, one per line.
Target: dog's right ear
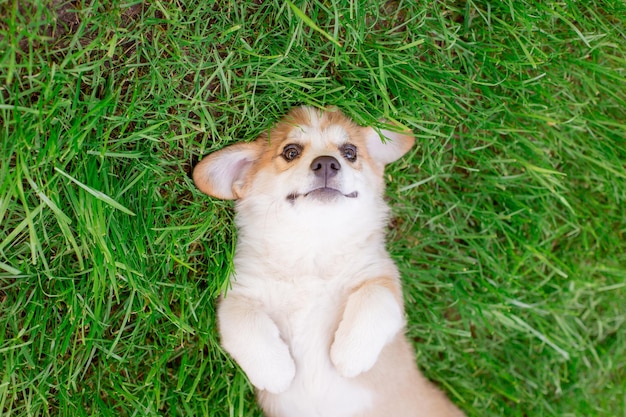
pixel 222 174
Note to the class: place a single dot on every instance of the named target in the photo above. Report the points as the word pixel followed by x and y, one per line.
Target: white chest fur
pixel 307 317
pixel 300 276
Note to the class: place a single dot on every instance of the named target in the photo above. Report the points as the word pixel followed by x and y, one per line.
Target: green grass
pixel 508 215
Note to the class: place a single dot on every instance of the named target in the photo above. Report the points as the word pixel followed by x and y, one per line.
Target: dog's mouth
pixel 322 193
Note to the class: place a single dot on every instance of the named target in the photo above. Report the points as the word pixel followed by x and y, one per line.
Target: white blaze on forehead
pixel 317 137
pixel 336 134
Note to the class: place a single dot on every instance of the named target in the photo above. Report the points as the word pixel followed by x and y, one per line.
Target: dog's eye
pixel 349 152
pixel 291 152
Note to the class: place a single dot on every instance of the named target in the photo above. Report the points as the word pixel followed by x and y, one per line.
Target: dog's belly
pixel 329 396
pixel 307 315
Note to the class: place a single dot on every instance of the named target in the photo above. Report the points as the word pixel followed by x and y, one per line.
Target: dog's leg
pixel 372 317
pixel 253 340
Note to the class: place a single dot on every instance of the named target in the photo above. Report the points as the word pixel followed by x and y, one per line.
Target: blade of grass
pixel 97 194
pixel 310 23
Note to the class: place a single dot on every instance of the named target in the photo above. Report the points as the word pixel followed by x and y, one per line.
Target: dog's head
pixel 311 157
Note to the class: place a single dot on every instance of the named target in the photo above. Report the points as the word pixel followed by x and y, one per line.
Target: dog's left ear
pixel 222 174
pixel 386 146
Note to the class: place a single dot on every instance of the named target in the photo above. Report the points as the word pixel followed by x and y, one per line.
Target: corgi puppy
pixel 315 315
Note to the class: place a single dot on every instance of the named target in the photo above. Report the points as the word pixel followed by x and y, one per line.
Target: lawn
pixel 508 220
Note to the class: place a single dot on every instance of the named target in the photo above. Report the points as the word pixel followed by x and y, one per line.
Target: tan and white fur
pixel 315 316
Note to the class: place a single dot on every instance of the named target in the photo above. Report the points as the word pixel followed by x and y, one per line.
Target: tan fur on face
pixel 315 315
pixel 270 145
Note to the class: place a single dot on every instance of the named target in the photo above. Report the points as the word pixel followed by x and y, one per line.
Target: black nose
pixel 325 166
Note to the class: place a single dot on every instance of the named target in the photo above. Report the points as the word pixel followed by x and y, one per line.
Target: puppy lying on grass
pixel 315 314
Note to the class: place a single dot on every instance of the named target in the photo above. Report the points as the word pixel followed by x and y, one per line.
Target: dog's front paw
pixel 371 319
pixel 272 370
pixel 350 355
pixel 254 341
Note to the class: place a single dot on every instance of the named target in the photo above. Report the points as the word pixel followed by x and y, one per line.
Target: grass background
pixel 508 215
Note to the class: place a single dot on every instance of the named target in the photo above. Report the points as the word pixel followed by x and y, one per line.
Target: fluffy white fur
pixel 315 315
